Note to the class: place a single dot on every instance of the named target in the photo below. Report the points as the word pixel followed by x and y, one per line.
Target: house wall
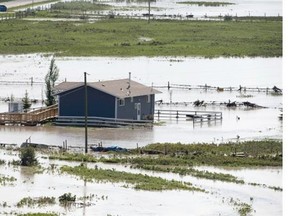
pixel 100 104
pixel 129 110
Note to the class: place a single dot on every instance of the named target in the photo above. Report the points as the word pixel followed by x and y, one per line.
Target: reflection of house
pixel 117 99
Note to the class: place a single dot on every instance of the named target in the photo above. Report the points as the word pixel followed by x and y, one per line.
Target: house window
pixel 122 102
pixel 148 98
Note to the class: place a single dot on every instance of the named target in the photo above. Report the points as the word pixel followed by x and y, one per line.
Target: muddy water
pixel 171 7
pixel 114 199
pixel 16 73
pixel 239 8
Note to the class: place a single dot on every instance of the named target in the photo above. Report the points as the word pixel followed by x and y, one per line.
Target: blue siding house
pixel 115 99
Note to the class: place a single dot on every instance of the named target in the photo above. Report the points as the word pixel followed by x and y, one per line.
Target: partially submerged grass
pixel 206 3
pixel 79 6
pixel 244 209
pixel 36 202
pixel 139 181
pixel 38 214
pixel 180 158
pixel 7 180
pixel 120 37
pixel 73 157
pixel 244 154
pixel 193 172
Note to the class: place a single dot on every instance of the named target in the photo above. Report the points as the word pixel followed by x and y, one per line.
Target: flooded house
pixel 114 99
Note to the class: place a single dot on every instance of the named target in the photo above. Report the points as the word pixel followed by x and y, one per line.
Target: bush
pixel 66 198
pixel 27 156
pixel 227 18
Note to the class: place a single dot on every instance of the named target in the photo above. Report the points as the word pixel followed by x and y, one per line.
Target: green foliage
pixel 193 172
pixel 4 180
pixel 256 153
pixel 67 198
pixel 27 156
pixel 227 18
pixel 79 6
pixel 169 38
pixel 50 79
pixel 73 157
pixel 39 202
pixel 26 102
pixel 140 181
pixel 244 209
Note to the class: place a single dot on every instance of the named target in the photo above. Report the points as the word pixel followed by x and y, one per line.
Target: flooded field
pixel 16 73
pixel 220 198
pixel 262 190
pixel 237 8
pixel 175 9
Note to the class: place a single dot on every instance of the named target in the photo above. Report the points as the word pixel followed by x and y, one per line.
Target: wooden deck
pixel 33 118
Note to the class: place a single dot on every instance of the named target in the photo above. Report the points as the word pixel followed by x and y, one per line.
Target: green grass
pixel 73 157
pixel 36 202
pixel 193 172
pixel 120 37
pixel 79 6
pixel 5 180
pixel 181 158
pixel 139 181
pixel 258 153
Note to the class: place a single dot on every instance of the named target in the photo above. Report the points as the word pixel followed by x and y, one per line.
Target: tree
pixel 50 79
pixel 27 156
pixel 26 102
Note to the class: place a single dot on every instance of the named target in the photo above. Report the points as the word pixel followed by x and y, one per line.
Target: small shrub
pixel 66 198
pixel 227 18
pixel 27 156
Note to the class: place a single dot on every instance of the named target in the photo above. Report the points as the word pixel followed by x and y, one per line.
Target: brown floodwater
pixel 114 199
pixel 16 73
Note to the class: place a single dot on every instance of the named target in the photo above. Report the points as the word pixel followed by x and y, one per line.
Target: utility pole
pixel 86 113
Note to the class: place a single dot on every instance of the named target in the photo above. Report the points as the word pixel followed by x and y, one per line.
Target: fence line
pixel 195 116
pixel 206 87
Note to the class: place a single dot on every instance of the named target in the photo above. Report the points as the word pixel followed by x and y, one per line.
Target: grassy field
pixel 130 37
pixel 254 154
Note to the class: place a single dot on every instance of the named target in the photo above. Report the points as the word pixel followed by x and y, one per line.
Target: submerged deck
pixel 32 118
pixel 43 115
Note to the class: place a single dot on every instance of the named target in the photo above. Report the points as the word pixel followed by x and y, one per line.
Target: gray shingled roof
pixel 118 88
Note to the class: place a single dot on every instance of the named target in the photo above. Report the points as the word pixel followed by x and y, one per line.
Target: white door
pixel 138 109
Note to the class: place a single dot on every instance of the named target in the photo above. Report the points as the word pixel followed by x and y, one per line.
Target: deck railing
pixel 101 122
pixel 31 118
